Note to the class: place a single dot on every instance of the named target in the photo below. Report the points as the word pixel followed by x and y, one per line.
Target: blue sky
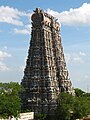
pixel 15 30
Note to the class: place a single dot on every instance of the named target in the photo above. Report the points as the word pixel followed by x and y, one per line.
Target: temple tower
pixel 45 74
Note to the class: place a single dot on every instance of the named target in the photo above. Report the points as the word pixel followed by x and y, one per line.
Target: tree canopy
pixel 69 107
pixel 73 107
pixel 10 102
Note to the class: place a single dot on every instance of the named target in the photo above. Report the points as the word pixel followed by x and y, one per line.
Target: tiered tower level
pixel 45 75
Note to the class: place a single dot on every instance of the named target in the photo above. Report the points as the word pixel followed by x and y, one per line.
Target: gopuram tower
pixel 45 74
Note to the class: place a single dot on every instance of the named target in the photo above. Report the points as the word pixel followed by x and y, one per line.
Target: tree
pixel 81 107
pixel 65 106
pixel 72 107
pixel 79 92
pixel 10 102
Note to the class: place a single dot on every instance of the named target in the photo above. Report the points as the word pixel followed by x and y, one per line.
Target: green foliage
pixel 81 107
pixel 79 92
pixel 72 107
pixel 25 110
pixel 40 116
pixel 65 106
pixel 10 102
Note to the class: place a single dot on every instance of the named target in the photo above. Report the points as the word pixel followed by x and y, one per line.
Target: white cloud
pixel 26 30
pixel 86 77
pixel 0 30
pixel 5 47
pixel 14 16
pixel 3 67
pixel 28 27
pixel 4 55
pixel 11 15
pixel 82 53
pixel 77 58
pixel 21 68
pixel 89 59
pixel 21 31
pixel 67 57
pixel 77 16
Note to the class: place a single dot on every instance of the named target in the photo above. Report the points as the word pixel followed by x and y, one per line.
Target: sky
pixel 15 34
